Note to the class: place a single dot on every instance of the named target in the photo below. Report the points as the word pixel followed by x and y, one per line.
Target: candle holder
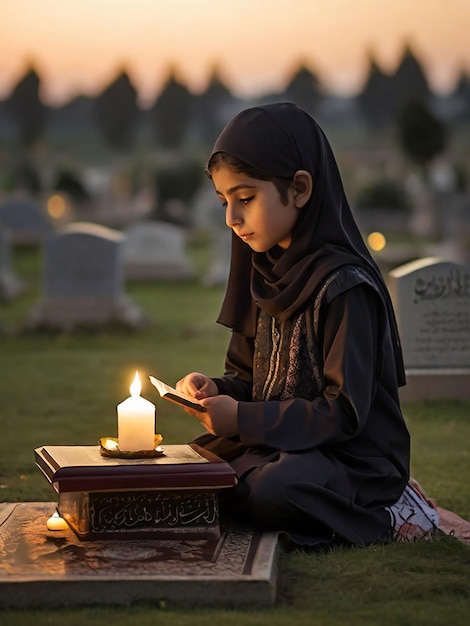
pixel 109 447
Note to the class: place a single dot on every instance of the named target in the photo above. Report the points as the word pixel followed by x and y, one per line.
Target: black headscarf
pixel 280 139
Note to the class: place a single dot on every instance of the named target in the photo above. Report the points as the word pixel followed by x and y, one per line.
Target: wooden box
pixel 171 495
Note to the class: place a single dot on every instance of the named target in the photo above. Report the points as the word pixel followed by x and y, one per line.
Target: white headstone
pixel 432 302
pixel 156 251
pixel 83 280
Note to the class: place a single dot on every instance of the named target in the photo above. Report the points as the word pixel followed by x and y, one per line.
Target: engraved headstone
pixel 433 311
pixel 10 285
pixel 156 251
pixel 83 280
pixel 432 303
pixel 27 222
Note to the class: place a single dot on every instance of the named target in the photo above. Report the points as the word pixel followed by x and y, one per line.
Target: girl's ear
pixel 303 187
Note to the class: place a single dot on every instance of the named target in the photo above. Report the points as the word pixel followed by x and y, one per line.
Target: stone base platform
pixel 438 384
pixel 43 568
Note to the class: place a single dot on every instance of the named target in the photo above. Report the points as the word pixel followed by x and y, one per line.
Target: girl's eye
pixel 246 200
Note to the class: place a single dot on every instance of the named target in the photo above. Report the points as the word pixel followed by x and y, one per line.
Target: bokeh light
pixel 57 207
pixel 376 241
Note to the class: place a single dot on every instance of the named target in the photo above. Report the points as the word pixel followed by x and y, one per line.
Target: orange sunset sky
pixel 79 45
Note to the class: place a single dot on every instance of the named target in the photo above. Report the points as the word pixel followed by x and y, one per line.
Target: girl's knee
pixel 269 498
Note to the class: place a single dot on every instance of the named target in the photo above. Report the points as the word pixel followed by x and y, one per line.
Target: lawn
pixel 59 388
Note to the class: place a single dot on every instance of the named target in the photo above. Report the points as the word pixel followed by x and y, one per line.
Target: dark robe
pixel 314 359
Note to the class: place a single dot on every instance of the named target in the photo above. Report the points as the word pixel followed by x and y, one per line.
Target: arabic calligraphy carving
pixel 454 284
pixel 121 511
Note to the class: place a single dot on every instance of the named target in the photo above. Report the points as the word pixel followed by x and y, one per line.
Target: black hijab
pixel 280 139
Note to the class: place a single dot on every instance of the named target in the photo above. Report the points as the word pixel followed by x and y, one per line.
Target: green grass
pixel 59 388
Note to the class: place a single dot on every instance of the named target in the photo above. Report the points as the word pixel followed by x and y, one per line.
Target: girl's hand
pixel 197 386
pixel 221 417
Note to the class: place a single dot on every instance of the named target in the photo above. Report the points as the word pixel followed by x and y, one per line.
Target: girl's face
pixel 253 208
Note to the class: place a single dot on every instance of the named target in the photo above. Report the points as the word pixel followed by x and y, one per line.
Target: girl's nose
pixel 231 217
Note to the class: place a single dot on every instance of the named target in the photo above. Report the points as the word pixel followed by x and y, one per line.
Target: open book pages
pixel 169 393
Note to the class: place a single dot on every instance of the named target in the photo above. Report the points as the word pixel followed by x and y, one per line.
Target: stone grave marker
pixel 432 302
pixel 83 280
pixel 156 251
pixel 27 222
pixel 51 569
pixel 10 285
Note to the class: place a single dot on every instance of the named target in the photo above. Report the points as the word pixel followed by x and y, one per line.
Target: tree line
pixel 178 114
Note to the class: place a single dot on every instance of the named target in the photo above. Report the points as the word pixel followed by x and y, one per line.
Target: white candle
pixel 56 523
pixel 136 421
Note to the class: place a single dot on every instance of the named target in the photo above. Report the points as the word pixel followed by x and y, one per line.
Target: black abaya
pixel 314 360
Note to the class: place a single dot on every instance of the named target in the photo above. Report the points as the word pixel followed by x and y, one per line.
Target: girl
pixel 307 412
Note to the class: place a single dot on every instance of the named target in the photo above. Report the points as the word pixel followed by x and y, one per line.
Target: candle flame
pixel 136 386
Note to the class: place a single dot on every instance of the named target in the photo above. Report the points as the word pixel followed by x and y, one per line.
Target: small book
pixel 171 394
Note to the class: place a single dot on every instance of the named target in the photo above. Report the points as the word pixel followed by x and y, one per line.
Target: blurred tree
pixel 177 181
pixel 69 182
pixel 171 114
pixel 462 95
pixel 462 87
pixel 210 107
pixel 383 95
pixel 409 82
pixel 303 89
pixel 115 111
pixel 422 135
pixel 26 108
pixel 374 100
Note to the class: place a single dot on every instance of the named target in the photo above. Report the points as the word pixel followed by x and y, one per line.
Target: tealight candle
pixel 136 421
pixel 55 522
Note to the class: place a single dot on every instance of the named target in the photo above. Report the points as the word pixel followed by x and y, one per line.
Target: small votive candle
pixel 136 421
pixel 55 522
